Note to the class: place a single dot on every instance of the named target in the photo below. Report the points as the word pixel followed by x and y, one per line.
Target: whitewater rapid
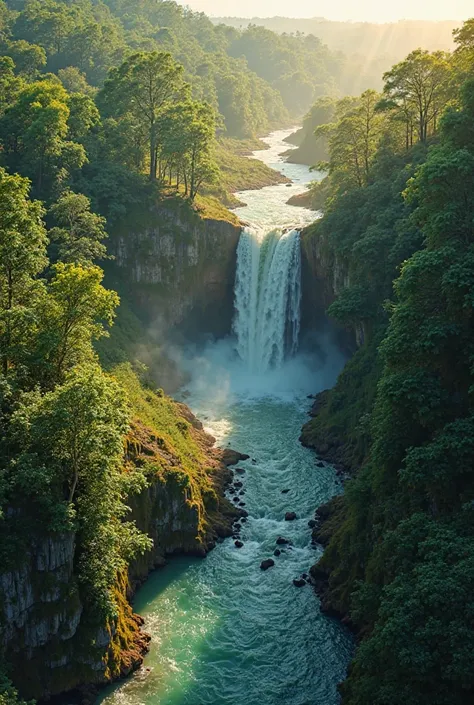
pixel 223 631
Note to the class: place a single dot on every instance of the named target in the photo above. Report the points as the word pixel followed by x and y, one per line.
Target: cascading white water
pixel 267 297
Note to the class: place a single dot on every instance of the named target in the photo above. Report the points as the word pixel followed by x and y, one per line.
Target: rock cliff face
pixel 324 276
pixel 49 639
pixel 179 271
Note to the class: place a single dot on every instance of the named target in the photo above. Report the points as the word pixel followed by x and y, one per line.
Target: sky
pixel 358 10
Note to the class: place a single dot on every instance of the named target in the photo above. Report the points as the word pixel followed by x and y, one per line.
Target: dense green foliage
pixel 400 559
pixel 62 419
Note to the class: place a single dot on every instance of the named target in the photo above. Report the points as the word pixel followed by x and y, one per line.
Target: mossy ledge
pixel 51 641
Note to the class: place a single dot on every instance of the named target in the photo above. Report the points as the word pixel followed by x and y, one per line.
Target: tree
pixel 143 85
pixel 34 133
pixel 187 135
pixel 353 141
pixel 71 317
pixel 78 231
pixel 29 58
pixel 22 259
pixel 420 85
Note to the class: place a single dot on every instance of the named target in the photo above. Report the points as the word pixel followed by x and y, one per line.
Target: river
pixel 224 632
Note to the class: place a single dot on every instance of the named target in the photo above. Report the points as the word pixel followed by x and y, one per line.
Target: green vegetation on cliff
pixel 401 206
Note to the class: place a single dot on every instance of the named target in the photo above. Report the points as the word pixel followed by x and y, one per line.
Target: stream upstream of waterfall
pixel 224 632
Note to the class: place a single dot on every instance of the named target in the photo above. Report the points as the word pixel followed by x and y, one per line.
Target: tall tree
pixel 143 85
pixel 420 85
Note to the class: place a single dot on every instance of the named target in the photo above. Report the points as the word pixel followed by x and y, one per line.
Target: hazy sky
pixel 368 10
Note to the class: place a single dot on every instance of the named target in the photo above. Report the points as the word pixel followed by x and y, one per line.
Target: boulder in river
pixel 320 464
pixel 290 516
pixel 240 471
pixel 236 499
pixel 268 563
pixel 241 504
pixel 312 523
pixel 238 544
pixel 277 552
pixel 243 518
pixel 281 541
pixel 285 491
pixel 238 485
pixel 241 493
pixel 299 582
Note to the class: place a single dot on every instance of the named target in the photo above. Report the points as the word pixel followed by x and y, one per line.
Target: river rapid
pixel 224 632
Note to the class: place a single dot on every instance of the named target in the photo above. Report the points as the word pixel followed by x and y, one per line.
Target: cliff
pixel 325 274
pixel 51 641
pixel 177 270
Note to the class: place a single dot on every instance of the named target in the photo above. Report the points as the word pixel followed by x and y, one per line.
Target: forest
pixel 398 218
pixel 108 108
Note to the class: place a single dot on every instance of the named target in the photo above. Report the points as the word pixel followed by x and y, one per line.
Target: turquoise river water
pixel 223 631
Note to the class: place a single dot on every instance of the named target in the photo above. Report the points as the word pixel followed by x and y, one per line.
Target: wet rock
pixel 244 514
pixel 232 457
pixel 299 582
pixel 305 576
pixel 312 523
pixel 236 499
pixel 281 541
pixel 238 544
pixel 240 471
pixel 290 516
pixel 241 504
pixel 237 527
pixel 254 461
pixel 269 563
pixel 277 552
pixel 238 485
pixel 231 490
pixel 244 518
pixel 320 464
pixel 241 493
pixel 285 491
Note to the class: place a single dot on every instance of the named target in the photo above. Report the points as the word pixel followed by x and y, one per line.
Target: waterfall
pixel 267 297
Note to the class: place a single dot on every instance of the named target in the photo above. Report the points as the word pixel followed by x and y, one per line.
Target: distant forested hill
pixel 369 48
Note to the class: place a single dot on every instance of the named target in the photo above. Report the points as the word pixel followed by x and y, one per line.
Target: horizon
pixel 367 11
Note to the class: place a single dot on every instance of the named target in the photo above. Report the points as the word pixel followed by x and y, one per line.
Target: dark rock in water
pixel 232 457
pixel 290 516
pixel 244 516
pixel 285 491
pixel 320 464
pixel 231 490
pixel 282 541
pixel 240 471
pixel 305 576
pixel 238 544
pixel 241 504
pixel 299 582
pixel 312 523
pixel 236 499
pixel 241 493
pixel 238 485
pixel 254 461
pixel 269 563
pixel 237 527
pixel 277 552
